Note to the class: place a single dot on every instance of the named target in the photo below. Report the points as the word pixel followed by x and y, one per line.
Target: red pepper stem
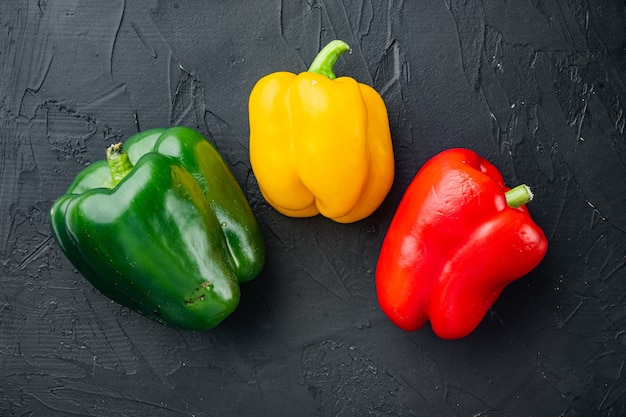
pixel 325 60
pixel 518 196
pixel 119 163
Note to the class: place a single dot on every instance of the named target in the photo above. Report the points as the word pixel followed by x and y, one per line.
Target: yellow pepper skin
pixel 320 144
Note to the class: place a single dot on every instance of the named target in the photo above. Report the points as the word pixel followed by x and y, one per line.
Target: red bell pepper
pixel 458 237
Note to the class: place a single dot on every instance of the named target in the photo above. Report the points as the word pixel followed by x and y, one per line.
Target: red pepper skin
pixel 453 245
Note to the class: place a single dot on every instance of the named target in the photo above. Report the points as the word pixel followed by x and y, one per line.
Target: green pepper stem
pixel 518 196
pixel 119 163
pixel 325 61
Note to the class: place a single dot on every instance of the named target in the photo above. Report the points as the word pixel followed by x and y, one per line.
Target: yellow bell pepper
pixel 320 144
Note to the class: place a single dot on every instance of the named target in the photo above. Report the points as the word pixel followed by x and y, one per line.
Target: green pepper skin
pixel 172 240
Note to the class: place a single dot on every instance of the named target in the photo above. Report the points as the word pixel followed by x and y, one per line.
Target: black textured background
pixel 536 86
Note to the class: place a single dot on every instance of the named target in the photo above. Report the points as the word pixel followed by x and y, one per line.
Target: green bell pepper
pixel 163 228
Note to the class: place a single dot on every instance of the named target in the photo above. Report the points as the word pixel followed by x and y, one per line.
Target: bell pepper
pixel 458 237
pixel 320 144
pixel 163 228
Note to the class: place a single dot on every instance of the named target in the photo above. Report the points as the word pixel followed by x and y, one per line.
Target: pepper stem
pixel 325 60
pixel 518 196
pixel 119 164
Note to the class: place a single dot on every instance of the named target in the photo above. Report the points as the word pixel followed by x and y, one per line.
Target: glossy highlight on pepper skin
pixel 172 240
pixel 453 245
pixel 320 144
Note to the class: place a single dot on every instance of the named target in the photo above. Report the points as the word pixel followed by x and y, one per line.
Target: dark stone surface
pixel 537 87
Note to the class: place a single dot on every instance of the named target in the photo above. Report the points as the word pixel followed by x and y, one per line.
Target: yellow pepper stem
pixel 325 61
